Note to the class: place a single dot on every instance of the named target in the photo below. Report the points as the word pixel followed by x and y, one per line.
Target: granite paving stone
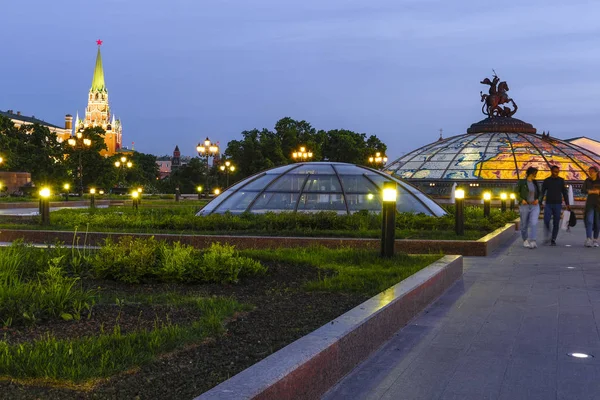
pixel 503 331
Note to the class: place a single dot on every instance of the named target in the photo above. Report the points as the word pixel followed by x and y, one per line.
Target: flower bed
pixel 143 318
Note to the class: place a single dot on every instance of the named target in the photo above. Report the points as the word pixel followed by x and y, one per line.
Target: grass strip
pixel 347 269
pixel 93 358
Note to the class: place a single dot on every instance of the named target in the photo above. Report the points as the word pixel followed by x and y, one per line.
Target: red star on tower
pixel 99 42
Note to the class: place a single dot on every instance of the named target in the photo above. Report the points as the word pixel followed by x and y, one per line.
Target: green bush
pixel 141 259
pixel 34 286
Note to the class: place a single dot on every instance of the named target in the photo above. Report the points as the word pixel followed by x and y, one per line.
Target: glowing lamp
pixel 487 196
pixel 45 193
pixel 66 186
pixel 129 164
pixel 389 192
pixel 101 192
pixel 459 194
pixel 503 196
pixel 135 194
pixel 199 189
pixel 117 164
pixel 512 196
pixel 92 191
pixel 123 159
pixel 217 191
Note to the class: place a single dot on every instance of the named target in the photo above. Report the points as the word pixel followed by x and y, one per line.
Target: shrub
pixel 221 263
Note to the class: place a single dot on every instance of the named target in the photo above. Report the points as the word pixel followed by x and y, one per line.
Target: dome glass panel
pixel 319 186
pixel 493 156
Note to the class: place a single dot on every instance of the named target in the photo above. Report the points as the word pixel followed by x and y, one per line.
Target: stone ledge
pixel 481 247
pixel 308 367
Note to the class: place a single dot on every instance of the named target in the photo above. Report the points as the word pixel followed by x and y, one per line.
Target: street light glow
pixel 503 196
pixel 45 193
pixel 66 186
pixel 512 196
pixel 459 194
pixel 389 192
pixel 92 191
pixel 217 191
pixel 487 196
pixel 135 194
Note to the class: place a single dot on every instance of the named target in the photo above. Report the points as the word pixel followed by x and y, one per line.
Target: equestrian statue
pixel 497 95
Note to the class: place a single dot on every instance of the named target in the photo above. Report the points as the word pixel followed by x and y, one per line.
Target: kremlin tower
pixel 98 112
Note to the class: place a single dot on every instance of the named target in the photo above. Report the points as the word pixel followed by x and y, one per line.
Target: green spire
pixel 98 80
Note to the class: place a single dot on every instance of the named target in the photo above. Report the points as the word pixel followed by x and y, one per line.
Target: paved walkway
pixel 503 331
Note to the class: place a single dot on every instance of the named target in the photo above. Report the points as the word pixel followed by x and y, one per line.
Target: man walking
pixel 591 187
pixel 555 190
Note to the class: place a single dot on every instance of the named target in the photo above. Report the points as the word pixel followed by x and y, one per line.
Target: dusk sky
pixel 180 70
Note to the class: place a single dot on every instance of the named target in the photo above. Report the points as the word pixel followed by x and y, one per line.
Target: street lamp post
pixel 388 221
pixel 503 197
pixel 45 205
pixel 512 201
pixel 487 204
pixel 92 198
pixel 66 186
pixel 459 226
pixel 226 168
pixel 207 149
pixel 79 143
pixel 122 163
pixel 302 154
pixel 135 197
pixel 199 190
pixel 378 160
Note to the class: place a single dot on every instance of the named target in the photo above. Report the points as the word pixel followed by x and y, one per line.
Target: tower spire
pixel 98 79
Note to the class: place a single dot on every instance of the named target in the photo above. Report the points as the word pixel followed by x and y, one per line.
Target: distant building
pixel 98 112
pixel 19 120
pixel 167 164
pixel 587 143
pixel 176 160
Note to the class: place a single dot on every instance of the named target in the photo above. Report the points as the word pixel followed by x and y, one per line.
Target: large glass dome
pixel 318 186
pixel 493 156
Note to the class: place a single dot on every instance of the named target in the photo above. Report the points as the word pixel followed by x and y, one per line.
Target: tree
pixel 97 170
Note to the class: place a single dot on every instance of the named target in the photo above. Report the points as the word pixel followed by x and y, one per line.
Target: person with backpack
pixel 591 187
pixel 528 193
pixel 555 190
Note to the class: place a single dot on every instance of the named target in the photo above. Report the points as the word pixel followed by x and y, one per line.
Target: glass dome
pixel 493 156
pixel 318 186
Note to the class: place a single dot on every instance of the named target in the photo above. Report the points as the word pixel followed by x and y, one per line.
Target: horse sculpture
pixel 495 98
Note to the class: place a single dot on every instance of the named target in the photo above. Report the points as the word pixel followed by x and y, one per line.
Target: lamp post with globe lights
pixel 302 154
pixel 378 160
pixel 227 167
pixel 121 164
pixel 207 149
pixel 79 143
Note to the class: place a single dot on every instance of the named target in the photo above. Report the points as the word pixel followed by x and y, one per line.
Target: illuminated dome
pixel 318 186
pixel 493 156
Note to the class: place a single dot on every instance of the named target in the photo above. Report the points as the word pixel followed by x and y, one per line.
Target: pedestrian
pixel 591 187
pixel 528 192
pixel 555 190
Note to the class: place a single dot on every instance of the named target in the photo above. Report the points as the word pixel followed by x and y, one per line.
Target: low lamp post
pixel 140 190
pixel 512 201
pixel 503 197
pixel 487 204
pixel 66 186
pixel 45 205
pixel 92 198
pixel 459 215
pixel 135 198
pixel 199 190
pixel 177 194
pixel 388 221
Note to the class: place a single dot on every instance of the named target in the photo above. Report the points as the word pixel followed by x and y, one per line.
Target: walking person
pixel 528 193
pixel 591 187
pixel 555 190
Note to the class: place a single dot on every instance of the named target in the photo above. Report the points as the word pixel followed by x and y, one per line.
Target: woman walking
pixel 591 187
pixel 528 192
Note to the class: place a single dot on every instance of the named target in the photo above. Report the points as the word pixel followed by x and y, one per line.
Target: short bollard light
pixel 199 190
pixel 66 186
pixel 217 192
pixel 45 205
pixel 388 220
pixel 512 201
pixel 101 192
pixel 92 198
pixel 487 204
pixel 135 197
pixel 139 190
pixel 177 194
pixel 503 197
pixel 459 215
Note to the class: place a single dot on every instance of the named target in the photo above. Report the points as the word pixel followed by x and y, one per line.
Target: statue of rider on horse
pixel 497 96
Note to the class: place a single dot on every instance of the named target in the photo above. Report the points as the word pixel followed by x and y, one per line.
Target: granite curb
pixel 308 367
pixel 481 247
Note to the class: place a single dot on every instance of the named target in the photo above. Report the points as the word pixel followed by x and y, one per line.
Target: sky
pixel 178 71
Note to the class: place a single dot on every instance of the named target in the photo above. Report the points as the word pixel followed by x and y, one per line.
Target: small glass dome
pixel 318 186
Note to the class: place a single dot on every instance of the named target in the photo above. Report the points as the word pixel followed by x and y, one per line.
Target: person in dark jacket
pixel 528 193
pixel 591 187
pixel 555 190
